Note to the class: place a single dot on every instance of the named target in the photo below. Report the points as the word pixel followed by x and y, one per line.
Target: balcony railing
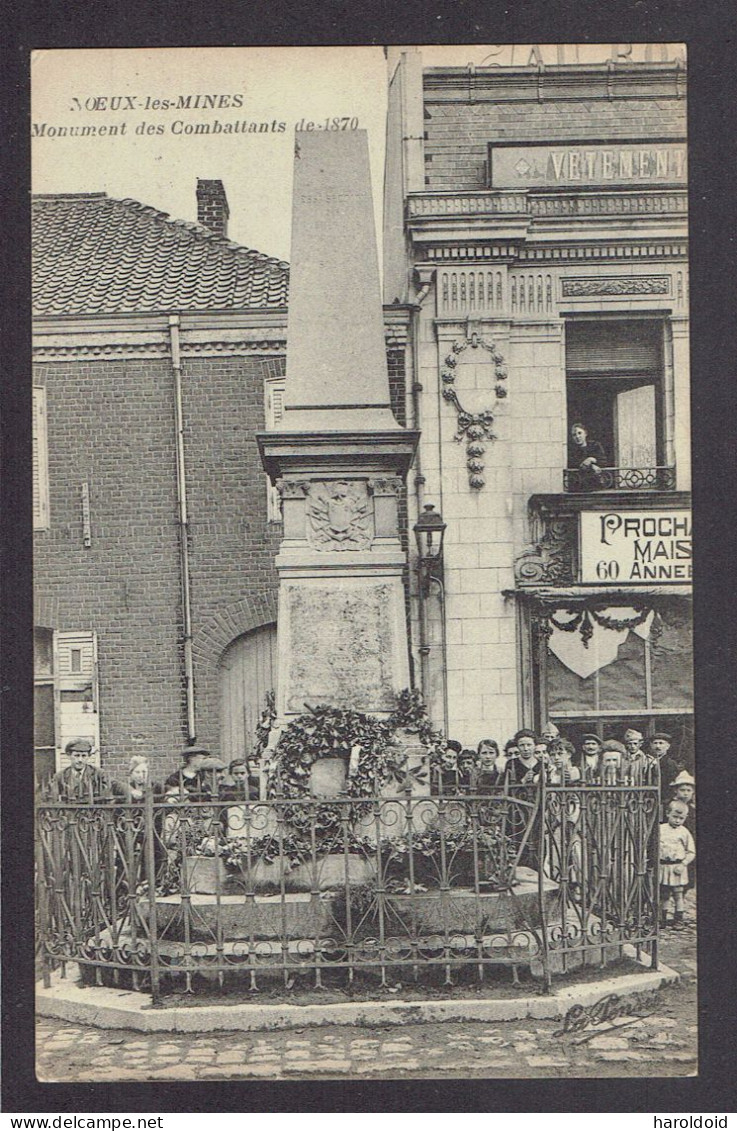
pixel 620 479
pixel 550 203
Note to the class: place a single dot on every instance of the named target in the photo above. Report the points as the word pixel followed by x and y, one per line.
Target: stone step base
pixel 301 915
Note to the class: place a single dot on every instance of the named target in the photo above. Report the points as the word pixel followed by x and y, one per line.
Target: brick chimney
pixel 212 207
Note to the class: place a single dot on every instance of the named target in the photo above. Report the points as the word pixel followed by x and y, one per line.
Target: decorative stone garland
pixel 476 427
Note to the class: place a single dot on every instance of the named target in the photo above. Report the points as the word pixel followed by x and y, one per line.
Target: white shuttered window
pixel 67 702
pixel 40 461
pixel 274 413
pixel 75 664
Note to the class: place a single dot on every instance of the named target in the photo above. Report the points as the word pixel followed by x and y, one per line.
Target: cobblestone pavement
pixel 663 1043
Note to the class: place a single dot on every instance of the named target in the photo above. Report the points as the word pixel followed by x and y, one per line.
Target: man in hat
pixel 590 757
pixel 549 732
pixel 659 747
pixel 637 766
pixel 212 774
pixel 188 777
pixel 80 781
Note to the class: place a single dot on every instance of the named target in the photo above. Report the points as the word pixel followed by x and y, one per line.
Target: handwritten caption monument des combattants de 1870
pixel 178 126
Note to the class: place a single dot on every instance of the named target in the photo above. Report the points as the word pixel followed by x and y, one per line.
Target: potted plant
pixel 204 870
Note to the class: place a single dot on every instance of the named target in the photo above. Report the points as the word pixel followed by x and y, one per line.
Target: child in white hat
pixel 684 789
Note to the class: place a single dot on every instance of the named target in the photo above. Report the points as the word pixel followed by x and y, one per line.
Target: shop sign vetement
pixel 561 166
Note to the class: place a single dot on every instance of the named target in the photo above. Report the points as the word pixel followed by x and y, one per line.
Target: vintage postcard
pixel 364 708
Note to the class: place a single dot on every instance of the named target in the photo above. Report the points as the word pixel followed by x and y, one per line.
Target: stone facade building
pixel 535 218
pixel 159 352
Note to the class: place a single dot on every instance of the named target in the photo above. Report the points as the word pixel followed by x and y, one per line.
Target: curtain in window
pixel 609 673
pixel 672 657
pixel 616 348
pixel 601 668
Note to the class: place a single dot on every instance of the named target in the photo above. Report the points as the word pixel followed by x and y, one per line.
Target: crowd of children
pixel 603 761
pixel 486 770
pixel 200 777
pixel 607 762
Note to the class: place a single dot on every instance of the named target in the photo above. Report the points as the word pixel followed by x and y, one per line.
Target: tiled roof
pixel 96 255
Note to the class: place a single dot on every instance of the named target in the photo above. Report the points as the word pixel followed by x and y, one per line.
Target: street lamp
pixel 429 532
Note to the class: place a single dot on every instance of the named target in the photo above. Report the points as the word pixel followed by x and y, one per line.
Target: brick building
pixel 159 353
pixel 535 217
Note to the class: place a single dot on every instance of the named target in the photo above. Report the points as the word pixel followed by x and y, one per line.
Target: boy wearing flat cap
pixel 637 766
pixel 188 777
pixel 80 781
pixel 684 789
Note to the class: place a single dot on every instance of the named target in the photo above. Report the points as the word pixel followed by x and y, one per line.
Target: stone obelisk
pixel 339 457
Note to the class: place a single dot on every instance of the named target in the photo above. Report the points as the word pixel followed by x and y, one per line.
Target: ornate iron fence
pixel 314 892
pixel 599 846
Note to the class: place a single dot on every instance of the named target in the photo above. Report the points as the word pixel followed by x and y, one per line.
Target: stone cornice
pixel 141 336
pixel 553 82
pixel 488 250
pixel 543 223
pixel 202 334
pixel 301 454
pixel 560 505
pixel 214 320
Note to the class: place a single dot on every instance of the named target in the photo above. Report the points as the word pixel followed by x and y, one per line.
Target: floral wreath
pixel 365 742
pixel 331 732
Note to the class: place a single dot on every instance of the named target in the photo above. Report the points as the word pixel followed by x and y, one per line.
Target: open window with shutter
pixel 40 461
pixel 274 413
pixel 614 381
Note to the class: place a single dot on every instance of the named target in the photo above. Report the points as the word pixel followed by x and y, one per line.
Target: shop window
pixel 40 461
pixel 640 674
pixel 614 386
pixel 274 411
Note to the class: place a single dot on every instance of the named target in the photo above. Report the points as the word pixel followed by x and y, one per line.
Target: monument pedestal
pixel 342 633
pixel 340 459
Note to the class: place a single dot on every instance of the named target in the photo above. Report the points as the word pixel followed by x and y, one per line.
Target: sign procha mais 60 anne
pixel 632 547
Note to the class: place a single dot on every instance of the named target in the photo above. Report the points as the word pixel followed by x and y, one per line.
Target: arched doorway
pixel 247 672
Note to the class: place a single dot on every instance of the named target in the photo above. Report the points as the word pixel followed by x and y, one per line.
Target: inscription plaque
pixel 341 646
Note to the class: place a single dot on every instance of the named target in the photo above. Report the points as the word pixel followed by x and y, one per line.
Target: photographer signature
pixel 606 1010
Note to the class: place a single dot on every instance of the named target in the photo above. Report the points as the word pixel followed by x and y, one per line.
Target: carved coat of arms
pixel 339 516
